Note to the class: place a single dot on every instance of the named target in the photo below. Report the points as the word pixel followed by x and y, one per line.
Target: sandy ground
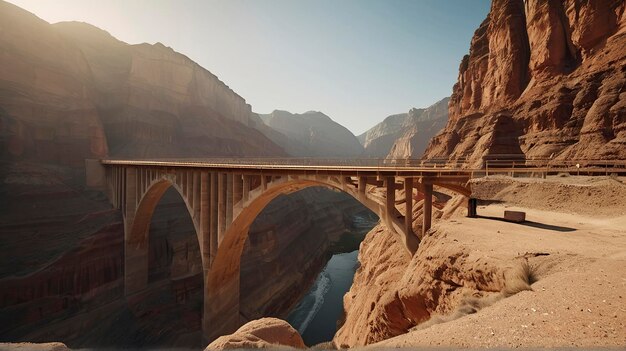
pixel 579 253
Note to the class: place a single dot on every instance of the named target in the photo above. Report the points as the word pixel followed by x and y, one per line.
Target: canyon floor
pixel 575 242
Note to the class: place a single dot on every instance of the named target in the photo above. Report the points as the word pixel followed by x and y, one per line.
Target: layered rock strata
pixel 542 79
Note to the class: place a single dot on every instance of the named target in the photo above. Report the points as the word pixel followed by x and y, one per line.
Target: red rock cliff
pixel 543 78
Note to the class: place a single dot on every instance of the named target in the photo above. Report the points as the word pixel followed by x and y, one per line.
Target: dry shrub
pixel 519 279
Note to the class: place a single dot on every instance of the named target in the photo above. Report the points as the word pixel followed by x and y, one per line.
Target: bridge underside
pixel 223 203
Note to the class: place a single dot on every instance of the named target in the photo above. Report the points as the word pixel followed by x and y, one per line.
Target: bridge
pixel 224 196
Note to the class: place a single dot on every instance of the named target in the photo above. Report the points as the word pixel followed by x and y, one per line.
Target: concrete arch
pixel 137 224
pixel 222 284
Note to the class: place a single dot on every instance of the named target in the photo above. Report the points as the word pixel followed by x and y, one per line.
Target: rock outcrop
pixel 393 292
pixel 414 128
pixel 313 134
pixel 156 102
pixel 542 79
pixel 27 346
pixel 260 334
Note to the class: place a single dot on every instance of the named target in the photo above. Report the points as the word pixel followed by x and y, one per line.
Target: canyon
pixel 70 91
pixel 543 79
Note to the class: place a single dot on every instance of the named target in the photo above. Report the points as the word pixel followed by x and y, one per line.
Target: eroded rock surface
pixel 542 78
pixel 260 333
pixel 393 292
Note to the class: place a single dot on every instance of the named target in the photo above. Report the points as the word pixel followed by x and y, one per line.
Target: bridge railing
pixel 549 166
pixel 492 164
pixel 314 161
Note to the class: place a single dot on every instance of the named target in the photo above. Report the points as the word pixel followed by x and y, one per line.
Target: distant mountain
pixel 417 130
pixel 312 134
pixel 405 134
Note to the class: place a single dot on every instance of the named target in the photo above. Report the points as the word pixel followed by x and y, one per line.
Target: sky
pixel 358 61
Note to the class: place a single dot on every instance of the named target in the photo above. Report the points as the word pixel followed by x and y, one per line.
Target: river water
pixel 316 316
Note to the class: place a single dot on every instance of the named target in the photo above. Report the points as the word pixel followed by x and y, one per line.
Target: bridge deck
pixel 378 167
pixel 318 166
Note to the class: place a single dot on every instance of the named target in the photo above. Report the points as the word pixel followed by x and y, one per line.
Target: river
pixel 316 316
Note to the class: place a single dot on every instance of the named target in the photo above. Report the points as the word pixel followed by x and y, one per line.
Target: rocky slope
pixel 542 78
pixel 313 134
pixel 405 135
pixel 71 91
pixel 466 269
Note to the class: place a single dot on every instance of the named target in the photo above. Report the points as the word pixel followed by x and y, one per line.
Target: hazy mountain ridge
pixel 313 134
pixel 406 134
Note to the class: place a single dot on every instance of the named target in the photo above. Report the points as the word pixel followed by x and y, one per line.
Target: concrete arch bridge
pixel 224 197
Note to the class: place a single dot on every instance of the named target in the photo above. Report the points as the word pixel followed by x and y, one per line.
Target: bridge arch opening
pixel 164 265
pixel 223 280
pixel 289 245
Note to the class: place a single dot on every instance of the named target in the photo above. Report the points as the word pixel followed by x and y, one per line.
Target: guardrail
pixel 491 165
pixel 551 166
pixel 311 161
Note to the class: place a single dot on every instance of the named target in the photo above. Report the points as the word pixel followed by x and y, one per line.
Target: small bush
pixel 520 279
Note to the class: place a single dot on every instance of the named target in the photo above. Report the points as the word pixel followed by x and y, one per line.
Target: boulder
pixel 260 333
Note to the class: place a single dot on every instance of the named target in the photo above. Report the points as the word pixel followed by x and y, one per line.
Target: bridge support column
pixel 246 188
pixel 205 222
pixel 390 206
pixel 222 194
pixel 428 207
pixel 237 188
pixel 408 214
pixel 214 210
pixel 362 185
pixel 229 200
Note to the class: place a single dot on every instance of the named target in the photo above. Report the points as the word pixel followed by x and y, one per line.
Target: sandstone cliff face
pixel 393 292
pixel 155 102
pixel 313 134
pixel 543 78
pixel 405 135
pixel 47 113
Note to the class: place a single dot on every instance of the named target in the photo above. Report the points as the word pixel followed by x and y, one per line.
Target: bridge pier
pixel 408 203
pixel 390 206
pixel 214 214
pixel 428 207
